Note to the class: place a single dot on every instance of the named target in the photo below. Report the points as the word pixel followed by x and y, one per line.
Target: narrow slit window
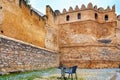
pixel 1 31
pixel 106 17
pixel 67 18
pixel 96 16
pixel 0 7
pixel 79 16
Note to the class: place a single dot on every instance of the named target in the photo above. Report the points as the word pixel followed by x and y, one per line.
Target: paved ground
pixel 118 76
pixel 89 75
pixel 55 74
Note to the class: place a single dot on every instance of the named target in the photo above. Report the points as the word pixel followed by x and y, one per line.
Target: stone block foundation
pixel 17 56
pixel 91 56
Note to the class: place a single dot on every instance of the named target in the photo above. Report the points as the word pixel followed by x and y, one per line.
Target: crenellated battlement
pixel 32 11
pixel 89 7
pixel 86 13
pixel 118 17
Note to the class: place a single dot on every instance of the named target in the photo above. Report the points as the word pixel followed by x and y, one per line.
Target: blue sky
pixel 61 4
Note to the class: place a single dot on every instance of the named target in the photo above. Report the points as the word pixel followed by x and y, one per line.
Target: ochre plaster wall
pixel 17 22
pixel 51 38
pixel 82 41
pixel 86 32
pixel 53 32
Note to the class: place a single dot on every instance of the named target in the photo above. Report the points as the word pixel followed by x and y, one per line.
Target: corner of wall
pixel 50 14
pixel 51 40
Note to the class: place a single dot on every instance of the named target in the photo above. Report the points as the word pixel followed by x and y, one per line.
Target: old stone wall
pixel 118 21
pixel 118 31
pixel 86 13
pixel 19 56
pixel 51 38
pixel 20 23
pixel 91 40
pixel 91 56
pixel 118 35
pixel 86 33
pixel 88 42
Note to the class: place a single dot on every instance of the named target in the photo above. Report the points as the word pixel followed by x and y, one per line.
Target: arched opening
pixel 96 16
pixel 106 17
pixel 67 18
pixel 79 16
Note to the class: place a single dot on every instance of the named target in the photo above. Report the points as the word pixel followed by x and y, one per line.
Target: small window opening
pixel 1 31
pixel 106 17
pixel 1 7
pixel 79 16
pixel 96 16
pixel 67 18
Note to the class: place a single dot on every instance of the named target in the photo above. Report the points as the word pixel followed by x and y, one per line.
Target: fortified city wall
pixel 18 56
pixel 88 37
